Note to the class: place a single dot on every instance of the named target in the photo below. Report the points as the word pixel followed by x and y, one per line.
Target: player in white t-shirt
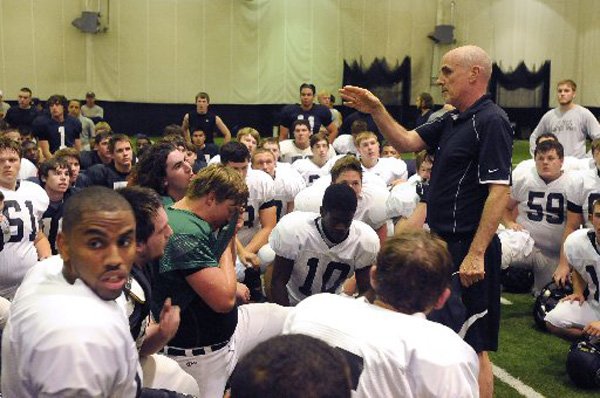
pixel 299 147
pixel 317 253
pixel 391 170
pixel 393 350
pixel 577 315
pixel 315 167
pixel 66 336
pixel 543 197
pixel 288 182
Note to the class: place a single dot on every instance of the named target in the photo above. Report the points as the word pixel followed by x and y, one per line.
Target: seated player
pixel 260 215
pixel 318 252
pixel 204 151
pixel 66 336
pixel 291 366
pixel 54 177
pixel 372 196
pixel 77 179
pixel 542 197
pixel 114 175
pixel 570 163
pixel 314 167
pixel 345 144
pixel 197 271
pixel 164 169
pixel 299 147
pixel 388 151
pixel 392 171
pixel 287 180
pixel 272 144
pixel 142 142
pixel 152 233
pixel 100 153
pixel 576 315
pixel 392 349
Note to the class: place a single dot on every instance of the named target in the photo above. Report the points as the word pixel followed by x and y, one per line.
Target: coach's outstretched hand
pixel 360 99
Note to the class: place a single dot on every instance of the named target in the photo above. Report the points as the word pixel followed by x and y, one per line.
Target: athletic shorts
pixel 474 312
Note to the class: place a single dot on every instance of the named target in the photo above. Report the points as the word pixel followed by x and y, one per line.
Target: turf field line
pixel 515 383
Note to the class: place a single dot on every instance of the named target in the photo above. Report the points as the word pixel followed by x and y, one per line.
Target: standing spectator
pixel 468 190
pixel 57 130
pixel 205 120
pixel 3 106
pixel 92 110
pixel 316 115
pixel 327 99
pixel 571 123
pixel 424 106
pixel 22 116
pixel 88 129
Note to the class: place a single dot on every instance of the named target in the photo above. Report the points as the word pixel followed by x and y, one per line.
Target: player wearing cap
pixel 92 110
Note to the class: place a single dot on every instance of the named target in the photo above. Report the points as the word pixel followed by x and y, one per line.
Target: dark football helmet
pixel 517 280
pixel 549 296
pixel 583 364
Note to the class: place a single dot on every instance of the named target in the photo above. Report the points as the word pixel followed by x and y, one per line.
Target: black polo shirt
pixel 472 149
pixel 206 122
pixel 47 129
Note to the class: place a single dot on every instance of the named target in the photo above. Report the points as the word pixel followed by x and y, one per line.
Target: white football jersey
pixel 320 265
pixel 24 209
pixel 261 189
pixel 543 207
pixel 391 354
pixel 581 249
pixel 288 182
pixel 309 170
pixel 389 169
pixel 589 194
pixel 371 208
pixel 289 152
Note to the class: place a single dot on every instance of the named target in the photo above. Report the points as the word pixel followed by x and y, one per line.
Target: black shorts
pixel 474 312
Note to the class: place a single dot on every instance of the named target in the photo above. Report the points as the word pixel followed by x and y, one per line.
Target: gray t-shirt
pixel 571 127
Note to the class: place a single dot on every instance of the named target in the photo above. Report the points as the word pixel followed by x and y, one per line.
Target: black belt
pixel 193 352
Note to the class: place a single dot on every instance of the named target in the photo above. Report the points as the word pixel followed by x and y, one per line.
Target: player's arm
pixel 365 101
pixel 332 130
pixel 363 283
pixel 289 207
pixel 509 216
pixel 45 147
pixel 217 285
pixel 579 286
pixel 414 222
pixel 268 219
pixel 283 132
pixel 159 334
pixel 472 267
pixel 185 125
pixel 282 272
pixel 42 246
pixel 247 258
pixel 561 274
pixel 382 233
pixel 223 129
